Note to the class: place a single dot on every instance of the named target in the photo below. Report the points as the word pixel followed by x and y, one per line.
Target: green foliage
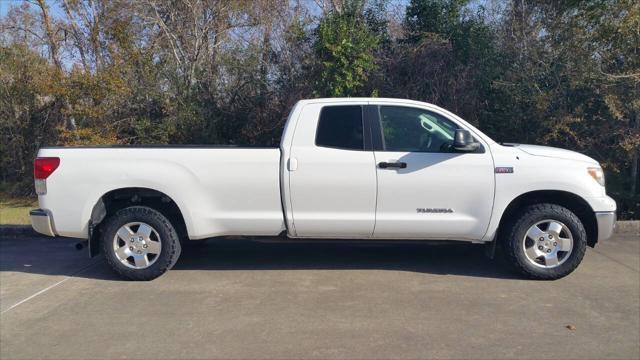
pixel 344 50
pixel 29 112
pixel 433 16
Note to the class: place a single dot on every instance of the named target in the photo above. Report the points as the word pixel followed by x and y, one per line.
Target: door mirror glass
pixel 463 141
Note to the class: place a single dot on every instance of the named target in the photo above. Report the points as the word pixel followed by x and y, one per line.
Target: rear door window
pixel 341 127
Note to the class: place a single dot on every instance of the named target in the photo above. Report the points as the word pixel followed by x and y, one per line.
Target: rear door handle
pixel 392 165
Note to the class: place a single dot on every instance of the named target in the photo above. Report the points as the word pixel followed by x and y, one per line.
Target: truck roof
pixel 363 99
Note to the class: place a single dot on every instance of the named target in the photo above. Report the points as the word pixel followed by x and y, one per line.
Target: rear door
pixel 426 189
pixel 332 174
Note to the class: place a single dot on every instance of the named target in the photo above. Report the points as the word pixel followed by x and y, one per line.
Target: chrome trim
pixel 606 224
pixel 40 186
pixel 41 222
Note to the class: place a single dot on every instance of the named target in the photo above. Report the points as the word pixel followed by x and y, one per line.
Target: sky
pixel 56 11
pixel 54 8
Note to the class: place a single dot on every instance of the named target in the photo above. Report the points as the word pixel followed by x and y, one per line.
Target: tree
pixel 433 16
pixel 30 112
pixel 344 48
pixel 447 56
pixel 572 78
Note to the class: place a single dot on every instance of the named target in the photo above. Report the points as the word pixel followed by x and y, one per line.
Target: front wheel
pixel 140 243
pixel 545 242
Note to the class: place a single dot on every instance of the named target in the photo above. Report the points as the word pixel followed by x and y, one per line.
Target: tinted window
pixel 340 127
pixel 412 129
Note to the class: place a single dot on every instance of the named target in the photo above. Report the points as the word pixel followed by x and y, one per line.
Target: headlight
pixel 597 174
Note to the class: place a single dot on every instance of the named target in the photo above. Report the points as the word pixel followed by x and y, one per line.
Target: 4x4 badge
pixel 504 170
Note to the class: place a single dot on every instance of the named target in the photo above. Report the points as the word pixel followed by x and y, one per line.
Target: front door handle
pixel 392 165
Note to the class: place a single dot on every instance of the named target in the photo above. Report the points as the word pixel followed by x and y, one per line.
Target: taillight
pixel 44 166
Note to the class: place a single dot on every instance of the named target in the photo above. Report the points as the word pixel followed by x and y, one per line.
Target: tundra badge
pixel 434 210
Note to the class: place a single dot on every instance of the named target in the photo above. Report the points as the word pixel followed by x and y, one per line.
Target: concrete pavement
pixel 241 299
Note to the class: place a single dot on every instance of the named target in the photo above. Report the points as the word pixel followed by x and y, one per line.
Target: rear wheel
pixel 140 243
pixel 545 242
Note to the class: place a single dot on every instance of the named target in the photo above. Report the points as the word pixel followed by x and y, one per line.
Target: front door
pixel 426 189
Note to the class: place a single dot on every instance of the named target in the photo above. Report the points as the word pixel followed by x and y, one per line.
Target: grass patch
pixel 15 211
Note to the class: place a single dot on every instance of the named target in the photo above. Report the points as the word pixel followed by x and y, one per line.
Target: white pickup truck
pixel 353 168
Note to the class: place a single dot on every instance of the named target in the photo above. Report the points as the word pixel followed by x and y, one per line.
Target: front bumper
pixel 606 224
pixel 41 222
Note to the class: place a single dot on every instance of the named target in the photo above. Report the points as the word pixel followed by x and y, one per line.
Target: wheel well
pixel 118 199
pixel 571 201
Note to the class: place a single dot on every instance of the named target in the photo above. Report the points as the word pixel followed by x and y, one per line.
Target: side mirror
pixel 464 142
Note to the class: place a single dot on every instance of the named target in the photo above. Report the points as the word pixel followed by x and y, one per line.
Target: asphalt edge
pixel 628 227
pixel 622 227
pixel 16 230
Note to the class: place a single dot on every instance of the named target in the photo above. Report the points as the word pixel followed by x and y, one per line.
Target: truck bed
pixel 232 190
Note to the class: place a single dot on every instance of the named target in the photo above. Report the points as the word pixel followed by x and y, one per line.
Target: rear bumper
pixel 41 222
pixel 606 224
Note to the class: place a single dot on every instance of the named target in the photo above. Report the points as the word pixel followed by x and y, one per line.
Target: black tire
pixel 513 234
pixel 170 242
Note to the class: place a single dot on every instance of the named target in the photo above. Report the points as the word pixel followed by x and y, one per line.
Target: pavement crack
pixel 66 277
pixel 616 261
